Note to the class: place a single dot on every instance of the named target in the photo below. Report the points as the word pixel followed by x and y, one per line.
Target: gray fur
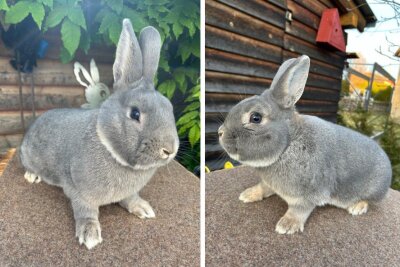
pixel 307 161
pixel 128 65
pixel 102 156
pixel 150 43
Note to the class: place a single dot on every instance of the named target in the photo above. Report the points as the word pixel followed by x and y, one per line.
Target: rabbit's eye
pixel 135 114
pixel 255 117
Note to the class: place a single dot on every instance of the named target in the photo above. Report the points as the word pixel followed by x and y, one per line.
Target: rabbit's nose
pixel 165 153
pixel 220 132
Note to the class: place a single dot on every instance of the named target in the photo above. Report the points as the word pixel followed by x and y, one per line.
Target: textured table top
pixel 239 234
pixel 37 226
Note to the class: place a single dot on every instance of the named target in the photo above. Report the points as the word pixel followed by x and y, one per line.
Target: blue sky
pixel 371 39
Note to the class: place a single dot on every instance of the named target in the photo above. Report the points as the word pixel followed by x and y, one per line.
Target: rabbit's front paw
pixel 289 225
pixel 32 178
pixel 88 232
pixel 252 194
pixel 358 208
pixel 139 207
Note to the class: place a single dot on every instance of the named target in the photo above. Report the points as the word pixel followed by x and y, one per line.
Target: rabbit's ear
pixel 127 67
pixel 288 84
pixel 150 44
pixel 94 71
pixel 77 68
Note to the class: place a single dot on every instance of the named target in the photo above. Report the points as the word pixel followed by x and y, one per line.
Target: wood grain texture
pixel 226 62
pixel 222 16
pixel 259 9
pixel 10 121
pixel 46 97
pixel 50 72
pixel 9 141
pixel 239 44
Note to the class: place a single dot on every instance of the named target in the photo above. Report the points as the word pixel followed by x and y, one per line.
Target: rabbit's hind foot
pixel 358 208
pixel 32 178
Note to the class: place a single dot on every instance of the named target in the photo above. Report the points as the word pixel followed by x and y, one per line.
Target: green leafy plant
pixel 383 95
pixel 82 23
pixel 390 142
pixel 369 124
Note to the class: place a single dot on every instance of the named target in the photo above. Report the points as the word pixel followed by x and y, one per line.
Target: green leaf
pixel 108 20
pixel 75 14
pixel 3 5
pixel 194 134
pixel 177 29
pixel 187 117
pixel 152 13
pixel 138 19
pixel 164 27
pixel 162 9
pixel 55 16
pixel 85 42
pixel 70 35
pixel 163 64
pixel 192 106
pixel 17 12
pixel 116 5
pixel 189 47
pixel 179 76
pixel 188 23
pixel 195 94
pixel 48 3
pixel 183 129
pixel 114 32
pixel 65 56
pixel 167 88
pixel 37 11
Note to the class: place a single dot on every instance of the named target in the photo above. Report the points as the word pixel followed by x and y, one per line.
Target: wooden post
pixel 395 103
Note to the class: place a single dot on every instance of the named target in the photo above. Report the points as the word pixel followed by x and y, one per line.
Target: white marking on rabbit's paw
pixel 89 233
pixel 289 225
pixel 252 194
pixel 32 178
pixel 358 208
pixel 141 208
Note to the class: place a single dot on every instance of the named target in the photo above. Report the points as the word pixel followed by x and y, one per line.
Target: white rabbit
pixel 95 92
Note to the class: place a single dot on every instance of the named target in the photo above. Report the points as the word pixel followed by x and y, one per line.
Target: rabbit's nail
pixel 32 178
pixel 358 208
pixel 289 225
pixel 252 194
pixel 89 234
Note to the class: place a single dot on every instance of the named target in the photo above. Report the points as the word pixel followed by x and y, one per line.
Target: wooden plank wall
pixel 246 41
pixel 55 86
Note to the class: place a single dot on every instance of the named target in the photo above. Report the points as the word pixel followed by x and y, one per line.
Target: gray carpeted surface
pixel 239 234
pixel 37 227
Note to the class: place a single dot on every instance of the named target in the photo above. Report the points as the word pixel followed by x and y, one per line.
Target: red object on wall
pixel 330 30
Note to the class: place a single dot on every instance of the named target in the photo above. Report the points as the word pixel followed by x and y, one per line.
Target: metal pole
pixel 33 96
pixel 369 90
pixel 21 105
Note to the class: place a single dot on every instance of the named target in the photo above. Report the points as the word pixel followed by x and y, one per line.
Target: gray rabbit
pixel 305 160
pixel 107 155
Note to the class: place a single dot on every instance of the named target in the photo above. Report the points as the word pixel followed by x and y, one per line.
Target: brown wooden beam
pixel 349 20
pixel 346 6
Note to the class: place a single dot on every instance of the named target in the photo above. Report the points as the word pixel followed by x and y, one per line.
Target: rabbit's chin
pixel 141 167
pixel 265 162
